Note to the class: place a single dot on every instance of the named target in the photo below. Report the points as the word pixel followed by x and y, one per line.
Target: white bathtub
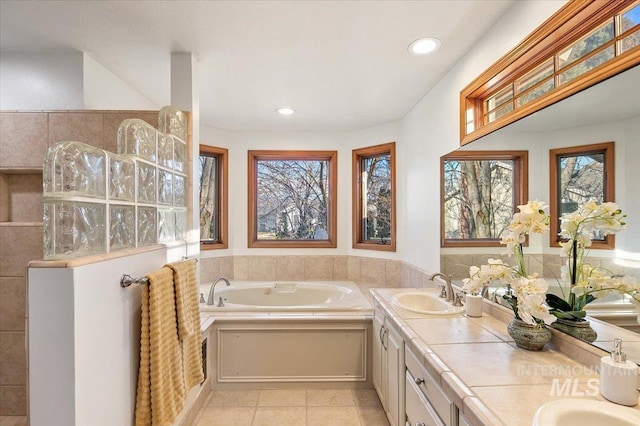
pixel 287 296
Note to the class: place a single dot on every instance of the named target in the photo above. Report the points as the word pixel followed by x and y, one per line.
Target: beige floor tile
pixel 226 416
pixel 13 421
pixel 329 398
pixel 282 398
pixel 332 416
pixel 234 398
pixel 366 398
pixel 285 416
pixel 372 416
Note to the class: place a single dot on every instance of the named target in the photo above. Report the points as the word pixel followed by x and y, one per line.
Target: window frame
pixel 222 199
pixel 520 190
pixel 605 148
pixel 358 155
pixel 291 155
pixel 573 21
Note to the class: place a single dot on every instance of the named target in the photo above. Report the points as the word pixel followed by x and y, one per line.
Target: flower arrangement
pixel 587 282
pixel 525 293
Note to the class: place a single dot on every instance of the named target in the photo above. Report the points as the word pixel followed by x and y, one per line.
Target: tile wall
pixel 24 139
pixel 365 271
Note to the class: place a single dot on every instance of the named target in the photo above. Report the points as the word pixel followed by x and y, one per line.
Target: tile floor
pixel 13 421
pixel 293 407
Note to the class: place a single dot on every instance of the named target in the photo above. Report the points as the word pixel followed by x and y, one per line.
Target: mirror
pixel 608 111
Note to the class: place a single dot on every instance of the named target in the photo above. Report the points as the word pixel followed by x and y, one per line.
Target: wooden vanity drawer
pixel 430 388
pixel 418 409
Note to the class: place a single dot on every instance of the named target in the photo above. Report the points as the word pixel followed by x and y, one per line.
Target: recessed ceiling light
pixel 285 111
pixel 422 46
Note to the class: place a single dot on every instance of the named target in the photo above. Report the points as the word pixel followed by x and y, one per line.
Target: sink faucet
pixel 447 282
pixel 211 299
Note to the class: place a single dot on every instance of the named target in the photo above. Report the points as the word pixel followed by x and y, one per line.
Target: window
pixel 579 174
pixel 374 216
pixel 480 191
pixel 292 198
pixel 582 44
pixel 212 175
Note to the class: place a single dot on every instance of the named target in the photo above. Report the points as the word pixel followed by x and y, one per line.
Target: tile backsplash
pixel 365 271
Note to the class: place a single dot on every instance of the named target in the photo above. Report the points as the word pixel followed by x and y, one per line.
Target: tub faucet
pixel 447 281
pixel 211 299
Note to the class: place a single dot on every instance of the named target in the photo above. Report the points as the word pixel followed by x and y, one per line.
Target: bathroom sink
pixel 585 412
pixel 424 302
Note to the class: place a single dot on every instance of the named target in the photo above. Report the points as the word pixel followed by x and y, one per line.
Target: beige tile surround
pixel 547 265
pixel 24 139
pixel 366 272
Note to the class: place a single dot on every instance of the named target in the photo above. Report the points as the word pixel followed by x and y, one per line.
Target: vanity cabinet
pixel 426 402
pixel 388 367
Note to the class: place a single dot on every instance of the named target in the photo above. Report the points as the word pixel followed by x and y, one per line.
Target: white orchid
pixel 532 308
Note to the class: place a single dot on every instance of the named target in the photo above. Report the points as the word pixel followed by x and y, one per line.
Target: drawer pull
pixel 420 424
pixel 418 381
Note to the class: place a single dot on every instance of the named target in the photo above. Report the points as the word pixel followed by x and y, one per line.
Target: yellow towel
pixel 188 314
pixel 161 390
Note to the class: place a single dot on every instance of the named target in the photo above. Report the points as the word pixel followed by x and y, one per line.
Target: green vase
pixel 579 329
pixel 527 336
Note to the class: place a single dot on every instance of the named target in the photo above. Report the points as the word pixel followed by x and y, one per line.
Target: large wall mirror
pixel 608 111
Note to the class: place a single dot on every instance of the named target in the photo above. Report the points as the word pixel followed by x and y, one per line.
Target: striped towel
pixel 188 314
pixel 161 386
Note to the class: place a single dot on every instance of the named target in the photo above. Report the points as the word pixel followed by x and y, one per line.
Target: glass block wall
pixel 97 201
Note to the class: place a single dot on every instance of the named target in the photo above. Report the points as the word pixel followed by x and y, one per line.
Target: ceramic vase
pixel 579 329
pixel 527 336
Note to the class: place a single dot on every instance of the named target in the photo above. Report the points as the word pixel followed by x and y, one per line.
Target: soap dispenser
pixel 619 377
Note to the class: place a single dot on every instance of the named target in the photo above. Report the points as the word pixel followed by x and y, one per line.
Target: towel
pixel 188 317
pixel 161 386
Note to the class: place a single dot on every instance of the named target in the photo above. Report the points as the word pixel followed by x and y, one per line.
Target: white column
pixel 185 96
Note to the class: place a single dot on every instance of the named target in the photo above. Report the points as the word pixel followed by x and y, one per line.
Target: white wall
pixel 104 90
pixel 431 130
pixel 239 143
pixel 41 80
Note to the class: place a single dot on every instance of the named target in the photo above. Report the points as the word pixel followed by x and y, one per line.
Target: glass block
pixel 172 120
pixel 165 150
pixel 122 177
pixel 122 227
pixel 165 187
pixel 179 194
pixel 147 226
pixel 179 156
pixel 166 225
pixel 181 223
pixel 74 229
pixel 146 182
pixel 75 169
pixel 137 137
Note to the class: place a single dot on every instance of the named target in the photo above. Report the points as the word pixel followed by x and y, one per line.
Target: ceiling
pixel 342 65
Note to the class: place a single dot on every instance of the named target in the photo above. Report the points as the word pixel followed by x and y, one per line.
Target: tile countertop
pixel 478 365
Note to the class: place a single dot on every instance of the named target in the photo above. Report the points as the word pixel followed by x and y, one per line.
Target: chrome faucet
pixel 211 299
pixel 448 288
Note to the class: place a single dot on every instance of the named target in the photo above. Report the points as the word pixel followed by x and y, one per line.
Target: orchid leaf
pixel 558 303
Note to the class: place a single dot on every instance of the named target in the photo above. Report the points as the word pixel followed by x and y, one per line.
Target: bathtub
pixel 287 296
pixel 274 334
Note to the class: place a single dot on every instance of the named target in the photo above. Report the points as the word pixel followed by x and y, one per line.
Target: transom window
pixel 212 175
pixel 292 198
pixel 582 44
pixel 374 197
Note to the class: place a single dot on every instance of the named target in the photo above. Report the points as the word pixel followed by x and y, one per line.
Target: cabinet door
pixel 395 377
pixel 378 354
